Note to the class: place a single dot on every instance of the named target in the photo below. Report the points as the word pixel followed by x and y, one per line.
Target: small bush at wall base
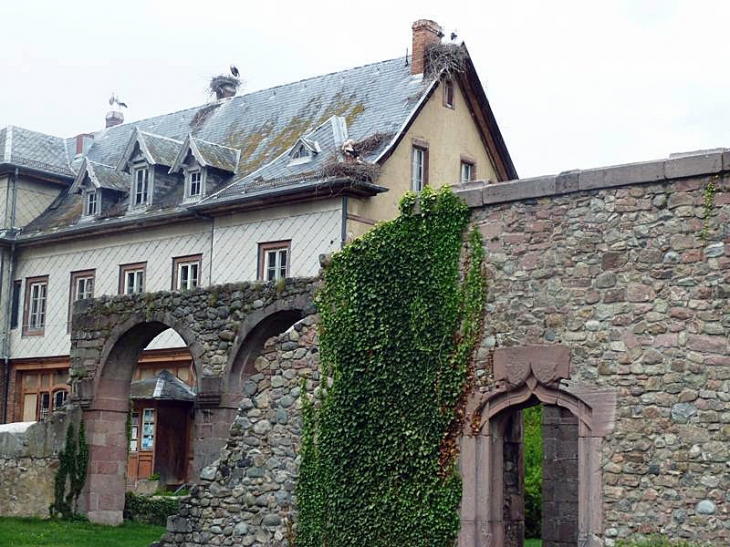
pixel 150 510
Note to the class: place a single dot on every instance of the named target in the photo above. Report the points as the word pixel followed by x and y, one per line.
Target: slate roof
pixel 163 387
pixel 250 138
pixel 33 150
pixel 217 155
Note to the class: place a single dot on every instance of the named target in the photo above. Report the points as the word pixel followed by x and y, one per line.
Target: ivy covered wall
pixel 397 332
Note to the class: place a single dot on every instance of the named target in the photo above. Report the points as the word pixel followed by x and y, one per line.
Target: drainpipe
pixel 343 228
pixel 8 287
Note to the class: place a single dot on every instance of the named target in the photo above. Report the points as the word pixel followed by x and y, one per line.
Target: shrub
pixel 150 510
pixel 532 420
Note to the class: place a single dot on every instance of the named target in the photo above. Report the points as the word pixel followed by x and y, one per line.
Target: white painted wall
pixel 313 228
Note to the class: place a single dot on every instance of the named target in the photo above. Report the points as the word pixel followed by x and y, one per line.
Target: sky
pixel 574 84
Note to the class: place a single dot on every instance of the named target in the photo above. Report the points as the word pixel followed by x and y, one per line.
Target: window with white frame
pixel 132 278
pixel 140 186
pixel 449 93
pixel 274 260
pixel 91 203
pixel 194 187
pixel 419 167
pixel 467 172
pixel 186 272
pixel 36 296
pixel 82 287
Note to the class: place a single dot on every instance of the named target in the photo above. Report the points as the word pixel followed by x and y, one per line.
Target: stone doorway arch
pixel 106 408
pixel 524 375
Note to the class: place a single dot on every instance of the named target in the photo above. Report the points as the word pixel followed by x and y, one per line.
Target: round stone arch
pixel 524 375
pixel 106 408
pixel 258 326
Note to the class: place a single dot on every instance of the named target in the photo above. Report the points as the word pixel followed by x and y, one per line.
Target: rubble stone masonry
pixel 635 280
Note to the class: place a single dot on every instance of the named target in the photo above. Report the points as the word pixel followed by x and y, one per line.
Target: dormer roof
pixel 156 149
pixel 101 176
pixel 207 154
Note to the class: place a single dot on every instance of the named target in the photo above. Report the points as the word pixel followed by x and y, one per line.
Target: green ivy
pixel 397 336
pixel 150 510
pixel 708 204
pixel 71 474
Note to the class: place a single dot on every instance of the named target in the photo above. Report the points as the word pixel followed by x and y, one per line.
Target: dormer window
pixel 195 183
pixel 91 203
pixel 140 186
pixel 301 152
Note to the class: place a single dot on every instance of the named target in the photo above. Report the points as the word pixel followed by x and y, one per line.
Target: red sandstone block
pixel 711 344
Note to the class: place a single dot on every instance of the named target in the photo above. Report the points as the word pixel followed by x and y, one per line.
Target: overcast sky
pixel 573 83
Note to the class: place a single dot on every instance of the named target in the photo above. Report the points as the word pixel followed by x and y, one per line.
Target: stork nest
pixel 372 143
pixel 448 59
pixel 219 83
pixel 360 171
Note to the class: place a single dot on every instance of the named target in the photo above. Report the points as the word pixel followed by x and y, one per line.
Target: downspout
pixel 343 228
pixel 7 286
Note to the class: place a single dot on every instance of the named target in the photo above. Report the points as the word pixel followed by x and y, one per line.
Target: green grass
pixel 15 532
pixel 533 543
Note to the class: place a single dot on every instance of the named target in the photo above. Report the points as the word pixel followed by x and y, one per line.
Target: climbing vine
pixel 71 474
pixel 708 204
pixel 397 335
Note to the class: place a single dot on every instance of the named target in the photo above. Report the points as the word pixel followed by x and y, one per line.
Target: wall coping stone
pixel 682 165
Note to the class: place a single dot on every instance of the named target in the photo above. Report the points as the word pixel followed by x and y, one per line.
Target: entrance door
pixel 141 460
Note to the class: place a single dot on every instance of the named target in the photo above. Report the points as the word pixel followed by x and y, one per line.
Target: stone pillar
pixel 103 496
pixel 560 480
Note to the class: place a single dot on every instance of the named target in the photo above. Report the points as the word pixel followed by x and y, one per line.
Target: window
pixel 91 203
pixel 140 190
pixel 44 392
pixel 82 287
pixel 131 278
pixel 15 310
pixel 34 316
pixel 196 184
pixel 186 272
pixel 467 171
pixel 419 166
pixel 301 152
pixel 449 93
pixel 274 260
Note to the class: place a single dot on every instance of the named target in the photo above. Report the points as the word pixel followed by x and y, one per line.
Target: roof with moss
pixel 247 136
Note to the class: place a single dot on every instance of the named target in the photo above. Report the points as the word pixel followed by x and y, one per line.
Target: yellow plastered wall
pixel 450 133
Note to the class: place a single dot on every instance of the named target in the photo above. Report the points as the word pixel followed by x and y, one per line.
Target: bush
pixel 150 510
pixel 532 421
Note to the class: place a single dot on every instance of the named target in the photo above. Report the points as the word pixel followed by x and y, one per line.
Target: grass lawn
pixel 533 543
pixel 51 533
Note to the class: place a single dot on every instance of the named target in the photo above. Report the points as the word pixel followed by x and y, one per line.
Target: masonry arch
pixel 253 332
pixel 490 446
pixel 106 414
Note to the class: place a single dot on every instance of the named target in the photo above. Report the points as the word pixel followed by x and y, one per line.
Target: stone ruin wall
pixel 28 464
pixel 247 496
pixel 631 280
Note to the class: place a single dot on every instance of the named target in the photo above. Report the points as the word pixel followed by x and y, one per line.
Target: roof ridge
pixel 157 136
pixel 213 143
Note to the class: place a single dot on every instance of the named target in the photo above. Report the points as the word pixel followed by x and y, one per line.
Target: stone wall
pixel 28 464
pixel 247 496
pixel 621 265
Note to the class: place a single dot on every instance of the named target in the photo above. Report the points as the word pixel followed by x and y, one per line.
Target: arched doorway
pixel 107 413
pixel 492 510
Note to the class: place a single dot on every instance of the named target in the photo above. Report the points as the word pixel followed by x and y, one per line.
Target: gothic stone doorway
pixel 492 509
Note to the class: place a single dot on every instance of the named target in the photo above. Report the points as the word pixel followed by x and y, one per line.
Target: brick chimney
pixel 114 117
pixel 425 33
